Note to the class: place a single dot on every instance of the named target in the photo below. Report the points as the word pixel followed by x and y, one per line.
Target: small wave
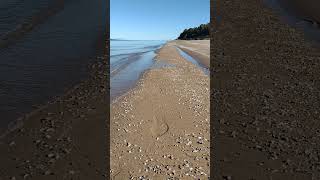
pixel 152 47
pixel 129 54
pixel 124 62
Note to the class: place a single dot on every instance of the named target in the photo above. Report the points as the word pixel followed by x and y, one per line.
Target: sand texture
pixel 160 129
pixel 265 103
pixel 307 9
pixel 198 49
pixel 65 139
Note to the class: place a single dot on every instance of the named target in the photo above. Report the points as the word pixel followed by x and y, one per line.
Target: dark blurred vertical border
pixel 67 138
pixel 214 11
pixel 108 91
pixel 264 95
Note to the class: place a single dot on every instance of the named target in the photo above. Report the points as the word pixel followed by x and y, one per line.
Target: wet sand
pixel 160 129
pixel 307 9
pixel 65 139
pixel 48 56
pixel 266 88
pixel 198 49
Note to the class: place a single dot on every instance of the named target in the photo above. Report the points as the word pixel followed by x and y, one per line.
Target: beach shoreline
pixel 130 59
pixel 198 49
pixel 203 59
pixel 55 139
pixel 157 111
pixel 18 122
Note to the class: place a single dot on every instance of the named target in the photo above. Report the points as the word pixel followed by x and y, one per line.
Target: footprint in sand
pixel 159 127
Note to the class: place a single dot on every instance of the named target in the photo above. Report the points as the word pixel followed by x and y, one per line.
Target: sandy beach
pixel 64 139
pixel 265 96
pixel 198 49
pixel 160 128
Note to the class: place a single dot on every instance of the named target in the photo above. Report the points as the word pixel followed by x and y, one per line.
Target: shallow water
pixel 194 61
pixel 129 59
pixel 16 12
pixel 43 61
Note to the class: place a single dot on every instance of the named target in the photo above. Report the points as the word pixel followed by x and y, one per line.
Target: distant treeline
pixel 201 32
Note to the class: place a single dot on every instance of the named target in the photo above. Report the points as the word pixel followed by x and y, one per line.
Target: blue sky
pixel 155 19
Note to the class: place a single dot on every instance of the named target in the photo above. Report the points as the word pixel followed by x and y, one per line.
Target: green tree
pixel 200 32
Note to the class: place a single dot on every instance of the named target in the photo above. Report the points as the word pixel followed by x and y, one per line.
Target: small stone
pixel 233 134
pixel 12 143
pixel 51 161
pixel 51 155
pixel 47 172
pixel 66 151
pixel 227 177
pixel 57 156
pixel 50 130
pixel 25 176
pixel 200 142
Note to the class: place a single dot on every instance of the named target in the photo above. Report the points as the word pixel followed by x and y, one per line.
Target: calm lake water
pixel 51 44
pixel 129 59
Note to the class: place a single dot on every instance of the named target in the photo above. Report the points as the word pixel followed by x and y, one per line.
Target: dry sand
pixel 160 129
pixel 65 139
pixel 265 103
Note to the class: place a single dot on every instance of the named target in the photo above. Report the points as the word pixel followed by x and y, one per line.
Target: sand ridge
pixel 198 49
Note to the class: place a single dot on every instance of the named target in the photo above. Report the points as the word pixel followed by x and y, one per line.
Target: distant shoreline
pixel 184 45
